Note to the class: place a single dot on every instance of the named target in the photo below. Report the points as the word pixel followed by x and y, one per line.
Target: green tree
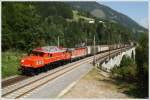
pixel 141 59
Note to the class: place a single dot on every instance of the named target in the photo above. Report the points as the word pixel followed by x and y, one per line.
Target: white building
pixel 92 21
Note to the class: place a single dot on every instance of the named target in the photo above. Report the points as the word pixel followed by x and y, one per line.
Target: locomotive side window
pixel 34 53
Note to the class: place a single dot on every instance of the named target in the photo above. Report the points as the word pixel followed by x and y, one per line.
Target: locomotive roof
pixel 49 49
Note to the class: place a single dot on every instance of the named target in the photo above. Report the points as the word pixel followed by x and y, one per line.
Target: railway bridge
pixel 108 62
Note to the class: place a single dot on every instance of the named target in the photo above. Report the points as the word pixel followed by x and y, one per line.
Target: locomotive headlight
pixel 22 60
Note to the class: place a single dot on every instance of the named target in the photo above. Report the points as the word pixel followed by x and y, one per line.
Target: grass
pixel 76 17
pixel 10 63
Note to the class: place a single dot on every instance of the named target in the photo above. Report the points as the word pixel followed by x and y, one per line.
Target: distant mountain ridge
pixel 103 12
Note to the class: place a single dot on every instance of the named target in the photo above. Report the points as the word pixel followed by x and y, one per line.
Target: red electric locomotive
pixel 77 53
pixel 42 59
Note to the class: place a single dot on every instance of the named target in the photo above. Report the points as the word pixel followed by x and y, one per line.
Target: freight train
pixel 45 58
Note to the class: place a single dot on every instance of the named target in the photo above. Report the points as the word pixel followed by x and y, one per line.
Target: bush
pixel 10 63
pixel 126 70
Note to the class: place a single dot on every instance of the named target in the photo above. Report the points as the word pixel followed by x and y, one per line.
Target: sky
pixel 136 10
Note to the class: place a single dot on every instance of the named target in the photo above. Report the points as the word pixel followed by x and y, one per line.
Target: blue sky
pixel 137 10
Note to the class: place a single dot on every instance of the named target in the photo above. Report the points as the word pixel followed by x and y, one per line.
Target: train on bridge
pixel 45 58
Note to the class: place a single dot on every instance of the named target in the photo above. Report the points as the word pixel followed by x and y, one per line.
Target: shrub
pixel 126 70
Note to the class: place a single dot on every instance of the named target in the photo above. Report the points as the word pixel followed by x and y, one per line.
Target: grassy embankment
pixel 128 88
pixel 124 87
pixel 10 63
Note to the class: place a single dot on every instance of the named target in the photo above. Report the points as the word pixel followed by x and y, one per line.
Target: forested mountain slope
pixel 104 12
pixel 26 25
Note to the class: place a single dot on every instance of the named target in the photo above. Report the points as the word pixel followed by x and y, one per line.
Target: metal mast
pixel 58 41
pixel 94 51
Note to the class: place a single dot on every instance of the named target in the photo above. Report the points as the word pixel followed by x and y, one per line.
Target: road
pixel 53 88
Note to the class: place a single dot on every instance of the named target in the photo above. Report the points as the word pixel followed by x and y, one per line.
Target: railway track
pixel 19 78
pixel 24 87
pixel 13 80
